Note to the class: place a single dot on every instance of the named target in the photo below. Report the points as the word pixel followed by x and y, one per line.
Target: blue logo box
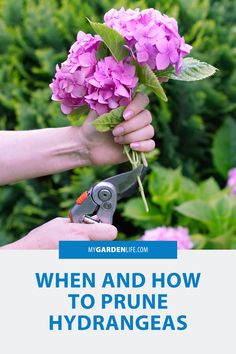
pixel 118 249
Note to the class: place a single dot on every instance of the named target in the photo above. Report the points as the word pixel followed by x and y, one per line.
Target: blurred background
pixel 195 130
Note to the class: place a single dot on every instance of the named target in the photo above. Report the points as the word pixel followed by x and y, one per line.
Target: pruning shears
pixel 98 205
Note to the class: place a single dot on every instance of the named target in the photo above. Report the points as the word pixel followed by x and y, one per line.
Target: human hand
pixel 136 130
pixel 48 235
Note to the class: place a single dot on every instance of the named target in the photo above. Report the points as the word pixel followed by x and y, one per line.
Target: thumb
pixel 98 232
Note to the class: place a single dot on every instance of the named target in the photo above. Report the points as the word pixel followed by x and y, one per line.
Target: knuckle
pixel 128 139
pixel 151 131
pixel 152 144
pixel 148 115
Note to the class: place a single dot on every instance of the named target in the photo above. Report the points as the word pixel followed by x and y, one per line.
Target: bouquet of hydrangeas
pixel 131 50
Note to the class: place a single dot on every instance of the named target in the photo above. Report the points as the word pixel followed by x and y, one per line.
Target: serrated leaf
pixel 113 40
pixel 194 70
pixel 108 121
pixel 148 78
pixel 78 116
pixel 224 147
pixel 165 73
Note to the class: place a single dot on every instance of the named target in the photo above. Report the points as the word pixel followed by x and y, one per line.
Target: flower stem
pixel 141 189
pixel 144 160
pixel 135 161
pixel 126 150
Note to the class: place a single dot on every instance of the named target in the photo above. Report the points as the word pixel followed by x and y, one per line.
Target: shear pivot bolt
pixel 104 194
pixel 107 205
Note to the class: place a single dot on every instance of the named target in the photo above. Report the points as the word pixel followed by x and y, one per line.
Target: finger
pixel 143 146
pixel 138 122
pixel 145 133
pixel 97 231
pixel 137 105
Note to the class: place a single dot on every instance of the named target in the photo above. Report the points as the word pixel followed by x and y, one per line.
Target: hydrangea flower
pixel 70 84
pixel 111 85
pixel 232 180
pixel 152 37
pixel 164 233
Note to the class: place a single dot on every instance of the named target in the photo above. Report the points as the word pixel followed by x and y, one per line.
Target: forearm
pixel 29 154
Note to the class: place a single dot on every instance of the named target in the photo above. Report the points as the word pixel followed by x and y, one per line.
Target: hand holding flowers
pixel 132 49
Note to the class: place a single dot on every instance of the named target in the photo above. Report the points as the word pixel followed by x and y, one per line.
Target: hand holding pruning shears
pixel 29 154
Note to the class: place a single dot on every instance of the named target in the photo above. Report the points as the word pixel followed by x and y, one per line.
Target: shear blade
pixel 126 183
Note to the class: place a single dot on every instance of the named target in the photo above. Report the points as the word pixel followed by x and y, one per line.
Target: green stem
pixel 144 160
pixel 135 161
pixel 143 194
pixel 126 150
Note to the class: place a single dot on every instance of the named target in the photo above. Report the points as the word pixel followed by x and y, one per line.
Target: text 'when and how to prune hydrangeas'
pixel 131 50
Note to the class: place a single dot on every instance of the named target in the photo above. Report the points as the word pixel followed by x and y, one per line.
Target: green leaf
pixel 78 116
pixel 165 73
pixel 194 70
pixel 188 190
pixel 102 51
pixel 199 241
pixel 108 121
pixel 148 78
pixel 164 185
pixel 135 211
pixel 197 210
pixel 113 40
pixel 208 188
pixel 224 147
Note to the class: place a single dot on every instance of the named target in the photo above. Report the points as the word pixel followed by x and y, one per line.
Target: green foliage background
pixel 196 129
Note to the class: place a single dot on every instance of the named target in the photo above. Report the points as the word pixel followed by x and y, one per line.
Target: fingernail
pixel 118 131
pixel 134 145
pixel 128 114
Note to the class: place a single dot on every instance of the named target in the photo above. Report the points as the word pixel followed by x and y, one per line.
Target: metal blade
pixel 126 183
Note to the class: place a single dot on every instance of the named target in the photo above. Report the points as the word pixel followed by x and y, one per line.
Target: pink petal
pixel 85 59
pixel 161 32
pixel 78 91
pixel 65 109
pixel 100 108
pixel 142 57
pixel 162 45
pixel 162 61
pixel 112 103
pixel 94 83
pixel 174 56
pixel 121 91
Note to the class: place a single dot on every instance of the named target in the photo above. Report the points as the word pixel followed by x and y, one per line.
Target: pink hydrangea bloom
pixel 111 85
pixel 164 233
pixel 232 180
pixel 70 83
pixel 153 37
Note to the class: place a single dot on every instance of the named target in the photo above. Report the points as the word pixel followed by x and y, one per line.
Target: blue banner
pixel 118 249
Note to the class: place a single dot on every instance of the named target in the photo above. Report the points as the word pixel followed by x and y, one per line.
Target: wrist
pixel 72 151
pixel 78 147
